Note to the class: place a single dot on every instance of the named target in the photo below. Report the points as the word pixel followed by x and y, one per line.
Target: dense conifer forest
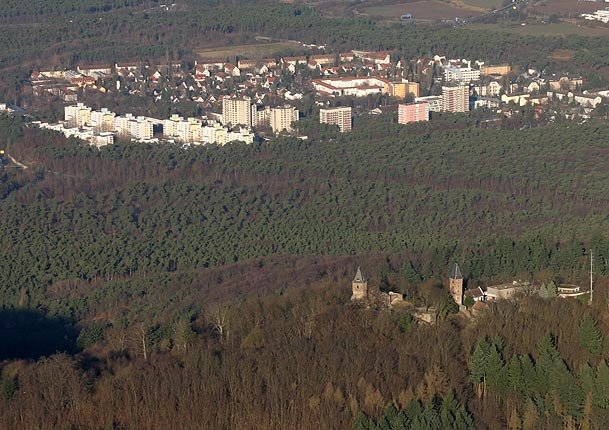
pixel 210 286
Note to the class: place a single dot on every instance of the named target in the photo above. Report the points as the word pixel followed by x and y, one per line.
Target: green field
pixel 257 50
pixel 558 29
pixel 426 10
pixel 484 4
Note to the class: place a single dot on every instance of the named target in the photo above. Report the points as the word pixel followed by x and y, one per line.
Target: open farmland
pixel 424 10
pixel 557 29
pixel 565 8
pixel 257 50
pixel 484 4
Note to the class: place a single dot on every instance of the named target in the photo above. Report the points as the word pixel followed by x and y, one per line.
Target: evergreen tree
pixel 547 356
pixel 409 273
pixel 601 392
pixel 514 374
pixel 586 378
pixel 478 361
pixel 362 422
pixel 406 322
pixel 548 291
pixel 589 335
pixel 494 368
pixel 528 374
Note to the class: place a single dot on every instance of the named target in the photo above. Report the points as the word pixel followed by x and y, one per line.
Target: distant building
pixel 455 99
pixel 340 116
pixel 413 112
pixel 131 127
pixel 237 111
pixel 214 133
pixel 281 118
pixel 357 87
pixel 359 287
pixel 361 292
pixel 435 102
pixel 506 291
pixel 462 75
pixel 374 57
pixel 502 69
pixel 78 115
pixel 240 136
pixel 103 120
pixel 401 89
pixel 455 285
pixel 520 99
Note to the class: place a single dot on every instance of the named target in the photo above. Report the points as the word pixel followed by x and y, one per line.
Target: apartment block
pixel 413 112
pixel 131 127
pixel 237 111
pixel 340 116
pixel 401 89
pixel 461 74
pixel 78 115
pixel 281 118
pixel 435 102
pixel 455 99
pixel 351 86
pixel 182 130
pixel 102 120
pixel 261 117
pixel 502 69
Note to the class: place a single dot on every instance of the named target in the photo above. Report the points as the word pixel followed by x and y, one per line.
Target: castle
pixel 361 292
pixel 455 285
pixel 359 286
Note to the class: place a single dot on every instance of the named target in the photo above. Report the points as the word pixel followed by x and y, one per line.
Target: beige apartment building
pixel 131 127
pixel 340 116
pixel 237 111
pixel 102 120
pixel 455 99
pixel 78 115
pixel 281 118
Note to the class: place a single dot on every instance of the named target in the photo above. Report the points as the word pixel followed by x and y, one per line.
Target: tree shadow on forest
pixel 30 334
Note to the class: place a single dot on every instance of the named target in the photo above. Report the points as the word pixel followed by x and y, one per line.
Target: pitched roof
pixel 456 272
pixel 358 276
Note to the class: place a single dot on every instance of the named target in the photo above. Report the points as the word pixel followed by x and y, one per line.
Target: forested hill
pixel 502 203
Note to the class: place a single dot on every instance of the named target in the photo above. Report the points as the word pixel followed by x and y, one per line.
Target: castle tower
pixel 359 286
pixel 455 285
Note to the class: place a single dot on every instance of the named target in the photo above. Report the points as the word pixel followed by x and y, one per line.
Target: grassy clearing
pixel 558 29
pixel 257 50
pixel 427 10
pixel 483 4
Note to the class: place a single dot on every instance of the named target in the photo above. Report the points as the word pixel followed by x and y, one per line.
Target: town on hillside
pixel 250 99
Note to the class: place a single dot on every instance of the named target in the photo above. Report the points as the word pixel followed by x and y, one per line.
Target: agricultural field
pixel 256 50
pixel 420 10
pixel 484 4
pixel 565 8
pixel 557 29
